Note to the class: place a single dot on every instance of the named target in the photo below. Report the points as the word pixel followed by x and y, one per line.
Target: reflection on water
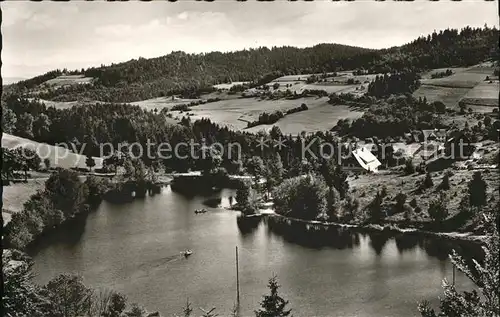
pixel 135 248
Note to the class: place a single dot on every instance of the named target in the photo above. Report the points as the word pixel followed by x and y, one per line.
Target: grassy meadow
pixel 58 156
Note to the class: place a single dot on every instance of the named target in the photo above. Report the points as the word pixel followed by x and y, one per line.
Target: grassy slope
pixel 366 186
pixel 58 156
pixel 16 194
pixel 466 84
pixel 321 118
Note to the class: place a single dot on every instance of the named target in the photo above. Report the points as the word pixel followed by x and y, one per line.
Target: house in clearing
pixel 458 146
pixel 438 135
pixel 360 160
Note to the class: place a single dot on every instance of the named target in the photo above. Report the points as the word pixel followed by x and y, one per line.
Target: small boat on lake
pixel 200 211
pixel 187 253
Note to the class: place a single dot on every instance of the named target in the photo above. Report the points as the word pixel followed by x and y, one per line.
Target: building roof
pixel 366 159
pixel 434 133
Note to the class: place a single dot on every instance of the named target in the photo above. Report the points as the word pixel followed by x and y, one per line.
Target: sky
pixel 42 36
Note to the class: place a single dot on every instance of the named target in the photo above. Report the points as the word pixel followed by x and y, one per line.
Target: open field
pixel 16 194
pixel 59 104
pixel 58 156
pixel 447 95
pixel 465 79
pixel 292 78
pixel 68 80
pixel 483 94
pixel 229 85
pixel 320 118
pixel 161 102
pixel 236 113
pixel 428 75
pixel 466 84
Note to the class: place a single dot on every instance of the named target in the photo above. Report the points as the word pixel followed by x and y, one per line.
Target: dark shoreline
pixel 373 228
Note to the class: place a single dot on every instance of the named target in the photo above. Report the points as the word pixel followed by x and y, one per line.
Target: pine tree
pixel 477 190
pixel 428 183
pixel 273 305
pixel 445 184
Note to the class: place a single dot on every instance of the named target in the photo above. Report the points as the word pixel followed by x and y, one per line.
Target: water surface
pixel 135 249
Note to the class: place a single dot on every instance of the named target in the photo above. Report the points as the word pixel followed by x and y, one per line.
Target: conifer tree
pixel 273 305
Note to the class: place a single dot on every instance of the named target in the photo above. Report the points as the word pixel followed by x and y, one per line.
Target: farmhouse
pixel 361 160
pixel 431 150
pixel 434 135
pixel 458 146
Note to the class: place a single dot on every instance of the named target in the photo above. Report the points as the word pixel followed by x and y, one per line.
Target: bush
pixel 409 167
pixel 400 202
pixel 383 192
pixel 437 208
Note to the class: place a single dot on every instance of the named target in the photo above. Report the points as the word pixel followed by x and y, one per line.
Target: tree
pixel 20 296
pixel 188 310
pixel 255 166
pixel 439 106
pixel 116 306
pixel 24 127
pixel 487 121
pixel 477 190
pixel 274 172
pixel 409 167
pixel 303 197
pixel 209 159
pixel 46 162
pixel 68 296
pixel 90 162
pixel 66 191
pixel 340 182
pixel 9 120
pixel 375 208
pixel 41 127
pixel 273 305
pixel 438 209
pixel 428 183
pixel 136 311
pixel 485 276
pixel 445 183
pixel 400 202
pixel 335 177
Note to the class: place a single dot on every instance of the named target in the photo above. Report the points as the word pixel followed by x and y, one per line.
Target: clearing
pixel 447 95
pixel 58 156
pixel 466 84
pixel 67 80
pixel 320 118
pixel 229 85
pixel 16 194
pixel 236 113
pixel 484 94
pixel 161 102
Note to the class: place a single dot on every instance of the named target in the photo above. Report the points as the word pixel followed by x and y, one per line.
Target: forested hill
pixel 450 47
pixel 180 72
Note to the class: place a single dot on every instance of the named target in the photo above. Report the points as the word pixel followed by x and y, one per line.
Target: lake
pixel 135 249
